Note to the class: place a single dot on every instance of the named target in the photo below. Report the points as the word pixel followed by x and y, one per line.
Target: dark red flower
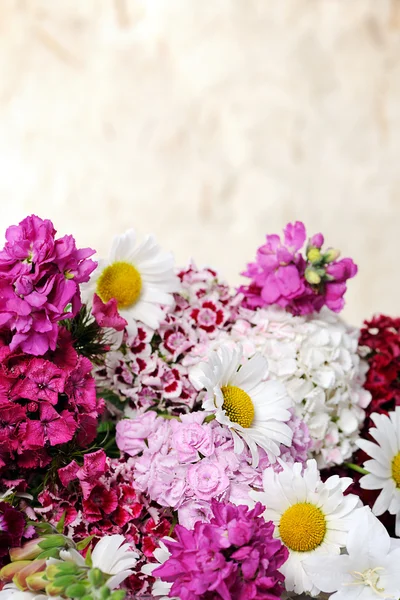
pixel 12 525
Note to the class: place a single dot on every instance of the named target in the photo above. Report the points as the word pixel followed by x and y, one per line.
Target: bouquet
pixel 164 435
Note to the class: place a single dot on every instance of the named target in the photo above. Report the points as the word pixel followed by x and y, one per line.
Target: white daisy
pixel 369 571
pixel 384 466
pixel 114 557
pixel 311 517
pixel 140 278
pixel 253 409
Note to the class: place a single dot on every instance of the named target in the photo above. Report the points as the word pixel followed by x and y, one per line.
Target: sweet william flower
pixel 369 570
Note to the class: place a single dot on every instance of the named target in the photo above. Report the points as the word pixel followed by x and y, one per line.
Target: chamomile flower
pixel 311 517
pixel 369 570
pixel 384 466
pixel 140 277
pixel 255 410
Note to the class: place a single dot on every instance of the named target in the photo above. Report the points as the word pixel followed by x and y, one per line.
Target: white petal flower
pixel 384 466
pixel 141 278
pixel 114 557
pixel 369 571
pixel 256 411
pixel 11 592
pixel 311 517
pixel 316 357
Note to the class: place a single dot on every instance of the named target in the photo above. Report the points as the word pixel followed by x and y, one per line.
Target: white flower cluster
pixel 317 358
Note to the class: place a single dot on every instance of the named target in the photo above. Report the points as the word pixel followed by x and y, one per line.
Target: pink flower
pixel 233 557
pixel 107 315
pixel 302 284
pixel 207 479
pixel 190 439
pixel 132 433
pixel 39 284
pixel 42 381
pixel 52 428
pixel 209 316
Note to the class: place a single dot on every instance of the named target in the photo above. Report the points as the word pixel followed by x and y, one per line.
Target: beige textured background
pixel 209 123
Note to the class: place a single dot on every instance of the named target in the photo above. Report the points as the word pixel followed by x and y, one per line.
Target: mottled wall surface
pixel 209 123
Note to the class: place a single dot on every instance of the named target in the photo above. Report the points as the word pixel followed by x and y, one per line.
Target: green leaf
pixel 53 541
pixel 112 397
pixel 49 553
pixel 88 559
pixel 60 524
pixel 84 543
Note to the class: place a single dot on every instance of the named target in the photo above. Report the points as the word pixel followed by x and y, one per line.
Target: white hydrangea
pixel 316 357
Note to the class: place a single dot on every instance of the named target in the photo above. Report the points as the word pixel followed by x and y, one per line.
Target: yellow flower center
pixel 396 469
pixel 238 405
pixel 121 281
pixel 302 527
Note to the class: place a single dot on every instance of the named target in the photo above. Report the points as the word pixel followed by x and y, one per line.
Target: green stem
pixel 356 468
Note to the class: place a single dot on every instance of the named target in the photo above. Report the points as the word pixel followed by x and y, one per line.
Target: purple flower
pixel 302 284
pixel 39 284
pixel 234 557
pixel 12 525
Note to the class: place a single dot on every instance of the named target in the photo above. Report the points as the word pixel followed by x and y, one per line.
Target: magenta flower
pixel 234 557
pixel 39 284
pixel 107 315
pixel 42 381
pixel 12 525
pixel 302 284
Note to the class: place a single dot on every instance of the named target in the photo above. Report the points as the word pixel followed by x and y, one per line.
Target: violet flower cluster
pixel 185 463
pixel 39 284
pixel 234 557
pixel 281 275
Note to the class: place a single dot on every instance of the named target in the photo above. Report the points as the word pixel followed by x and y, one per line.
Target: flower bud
pixel 105 592
pixel 53 541
pixel 314 255
pixel 36 582
pixel 331 255
pixel 95 577
pixel 29 551
pixel 49 553
pixel 35 566
pixel 59 569
pixel 76 590
pixel 7 573
pixel 312 276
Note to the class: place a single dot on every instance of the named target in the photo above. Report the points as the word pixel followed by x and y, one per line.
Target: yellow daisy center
pixel 302 527
pixel 396 469
pixel 121 281
pixel 238 405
